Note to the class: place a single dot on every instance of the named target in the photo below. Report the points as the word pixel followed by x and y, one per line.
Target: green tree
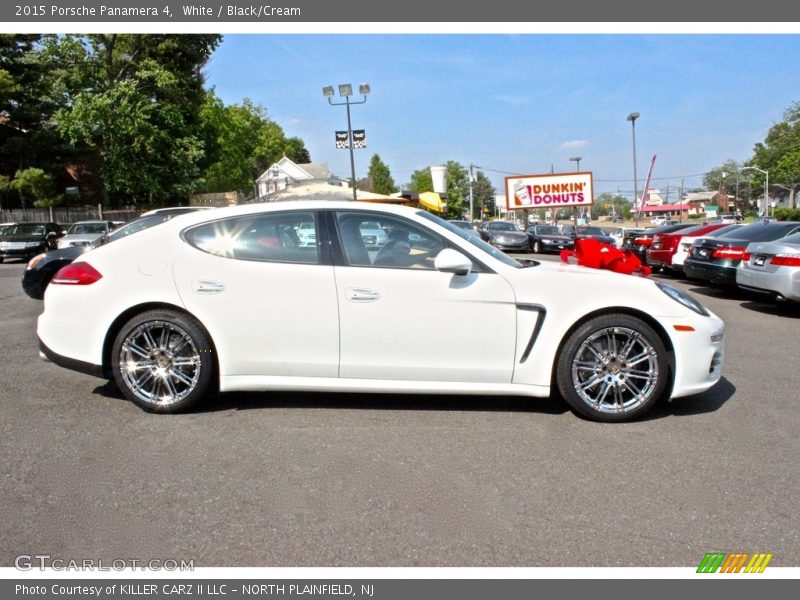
pixel 244 143
pixel 36 186
pixel 779 154
pixel 380 176
pixel 137 107
pixel 483 196
pixel 723 176
pixel 296 151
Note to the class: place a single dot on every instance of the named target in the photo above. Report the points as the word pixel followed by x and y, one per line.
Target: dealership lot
pixel 362 480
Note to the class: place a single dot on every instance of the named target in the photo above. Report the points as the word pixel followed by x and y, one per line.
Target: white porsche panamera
pixel 233 300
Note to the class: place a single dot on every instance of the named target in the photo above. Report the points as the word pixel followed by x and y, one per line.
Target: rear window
pixel 762 232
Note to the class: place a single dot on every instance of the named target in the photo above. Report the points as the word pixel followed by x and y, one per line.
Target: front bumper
pixel 699 355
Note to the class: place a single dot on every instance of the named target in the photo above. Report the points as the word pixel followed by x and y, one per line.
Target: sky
pixel 519 104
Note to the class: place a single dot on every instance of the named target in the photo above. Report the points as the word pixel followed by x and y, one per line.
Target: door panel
pixel 266 315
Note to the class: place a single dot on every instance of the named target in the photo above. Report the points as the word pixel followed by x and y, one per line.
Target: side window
pixel 378 240
pixel 277 237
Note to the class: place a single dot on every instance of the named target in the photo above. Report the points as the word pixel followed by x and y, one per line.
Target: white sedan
pixel 232 300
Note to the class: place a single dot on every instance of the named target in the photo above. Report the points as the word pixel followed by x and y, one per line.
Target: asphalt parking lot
pixel 367 480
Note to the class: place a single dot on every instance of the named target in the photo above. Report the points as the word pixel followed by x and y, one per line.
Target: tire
pixel 537 247
pixel 594 374
pixel 163 361
pixel 2 258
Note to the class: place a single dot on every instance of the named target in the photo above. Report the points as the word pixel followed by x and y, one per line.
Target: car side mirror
pixel 452 261
pixel 50 235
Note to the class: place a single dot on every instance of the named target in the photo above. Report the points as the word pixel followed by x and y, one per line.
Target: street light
pixel 766 187
pixel 345 91
pixel 577 160
pixel 632 118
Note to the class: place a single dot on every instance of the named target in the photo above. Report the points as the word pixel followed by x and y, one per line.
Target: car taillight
pixel 786 260
pixel 746 257
pixel 733 253
pixel 642 241
pixel 79 273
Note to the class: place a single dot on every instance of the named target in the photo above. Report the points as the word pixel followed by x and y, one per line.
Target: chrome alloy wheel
pixel 159 363
pixel 615 370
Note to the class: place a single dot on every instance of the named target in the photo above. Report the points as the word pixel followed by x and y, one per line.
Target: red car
pixel 664 245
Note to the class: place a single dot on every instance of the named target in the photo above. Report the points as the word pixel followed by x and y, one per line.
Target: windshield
pixel 463 225
pixel 502 226
pixel 546 230
pixel 87 228
pixel 475 241
pixel 591 230
pixel 24 229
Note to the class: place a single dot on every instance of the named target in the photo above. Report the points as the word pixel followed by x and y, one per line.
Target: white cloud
pixel 575 144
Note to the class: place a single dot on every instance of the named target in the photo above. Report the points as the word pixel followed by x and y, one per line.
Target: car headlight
pixel 683 298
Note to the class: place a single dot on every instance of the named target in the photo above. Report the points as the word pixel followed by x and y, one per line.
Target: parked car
pixel 715 260
pixel 587 232
pixel 772 267
pixel 466 226
pixel 199 304
pixel 505 235
pixel 639 242
pixel 546 238
pixel 42 267
pixel 665 245
pixel 686 243
pixel 23 240
pixel 83 233
pixel 373 234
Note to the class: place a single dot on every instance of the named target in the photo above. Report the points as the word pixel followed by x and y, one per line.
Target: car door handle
pixel 208 287
pixel 361 295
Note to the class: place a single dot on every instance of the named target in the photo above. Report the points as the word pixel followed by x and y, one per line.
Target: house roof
pixel 296 171
pixel 322 190
pixel 701 196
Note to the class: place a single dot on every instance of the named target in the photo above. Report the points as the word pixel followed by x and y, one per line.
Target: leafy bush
pixel 787 214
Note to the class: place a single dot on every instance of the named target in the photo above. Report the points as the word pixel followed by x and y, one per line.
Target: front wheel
pixel 537 247
pixel 162 361
pixel 613 368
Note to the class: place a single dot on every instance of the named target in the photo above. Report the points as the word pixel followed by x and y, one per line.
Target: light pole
pixel 345 91
pixel 632 118
pixel 766 187
pixel 577 161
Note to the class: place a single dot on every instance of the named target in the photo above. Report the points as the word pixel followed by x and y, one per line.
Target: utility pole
pixel 680 202
pixel 471 185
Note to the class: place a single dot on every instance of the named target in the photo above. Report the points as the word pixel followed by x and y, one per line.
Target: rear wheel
pixel 537 247
pixel 162 360
pixel 613 368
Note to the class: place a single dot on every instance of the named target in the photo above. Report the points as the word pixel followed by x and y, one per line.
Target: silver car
pixel 84 233
pixel 772 267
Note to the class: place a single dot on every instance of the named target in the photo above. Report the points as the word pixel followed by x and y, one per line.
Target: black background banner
pixel 327 11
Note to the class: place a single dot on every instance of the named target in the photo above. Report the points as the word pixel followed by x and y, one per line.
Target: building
pixel 286 172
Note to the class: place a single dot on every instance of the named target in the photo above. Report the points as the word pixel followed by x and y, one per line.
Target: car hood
pixel 81 237
pixel 510 234
pixel 553 236
pixel 570 288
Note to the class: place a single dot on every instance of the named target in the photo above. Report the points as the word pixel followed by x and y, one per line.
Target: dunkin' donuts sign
pixel 549 191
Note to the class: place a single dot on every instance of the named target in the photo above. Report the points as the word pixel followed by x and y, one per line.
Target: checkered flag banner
pixel 359 138
pixel 342 140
